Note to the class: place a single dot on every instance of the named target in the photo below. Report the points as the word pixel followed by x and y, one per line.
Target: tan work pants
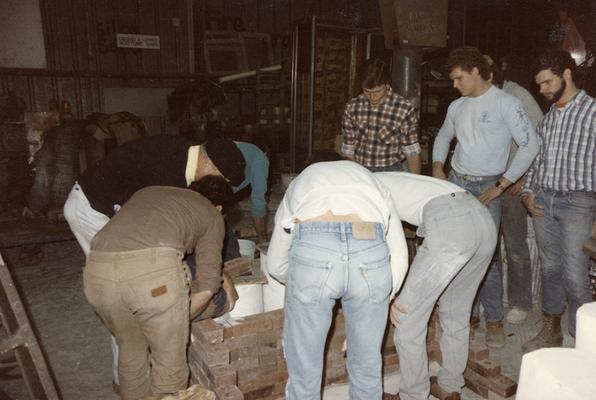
pixel 143 298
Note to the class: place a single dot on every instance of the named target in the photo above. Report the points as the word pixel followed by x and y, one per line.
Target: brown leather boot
pixel 495 337
pixel 440 393
pixel 549 336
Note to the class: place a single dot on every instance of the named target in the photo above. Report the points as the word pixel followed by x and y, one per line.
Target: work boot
pixel 549 336
pixel 516 315
pixel 440 393
pixel 495 337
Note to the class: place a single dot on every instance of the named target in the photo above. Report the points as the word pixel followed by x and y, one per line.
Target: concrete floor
pixel 77 344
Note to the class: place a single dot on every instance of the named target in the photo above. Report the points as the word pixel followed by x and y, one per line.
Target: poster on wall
pixel 22 44
pixel 133 41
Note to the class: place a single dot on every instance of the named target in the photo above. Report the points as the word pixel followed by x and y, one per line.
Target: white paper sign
pixel 133 41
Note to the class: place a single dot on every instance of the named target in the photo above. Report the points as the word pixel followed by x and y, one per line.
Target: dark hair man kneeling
pixel 137 282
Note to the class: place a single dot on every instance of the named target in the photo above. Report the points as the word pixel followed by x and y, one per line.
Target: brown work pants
pixel 143 298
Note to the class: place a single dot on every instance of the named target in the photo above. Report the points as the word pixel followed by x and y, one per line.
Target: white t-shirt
pixel 484 127
pixel 342 187
pixel 411 192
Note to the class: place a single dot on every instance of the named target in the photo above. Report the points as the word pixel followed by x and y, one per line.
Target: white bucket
pixel 247 248
pixel 250 300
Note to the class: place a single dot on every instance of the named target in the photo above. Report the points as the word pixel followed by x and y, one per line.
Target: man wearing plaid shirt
pixel 559 193
pixel 380 128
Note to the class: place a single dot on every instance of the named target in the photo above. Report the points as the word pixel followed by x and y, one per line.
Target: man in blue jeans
pixel 559 194
pixel 336 235
pixel 514 226
pixel 485 121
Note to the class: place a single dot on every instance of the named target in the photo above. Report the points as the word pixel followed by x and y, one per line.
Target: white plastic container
pixel 247 248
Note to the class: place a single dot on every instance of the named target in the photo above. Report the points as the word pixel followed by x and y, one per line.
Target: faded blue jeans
pixel 560 235
pixel 491 289
pixel 514 227
pixel 327 262
pixel 459 241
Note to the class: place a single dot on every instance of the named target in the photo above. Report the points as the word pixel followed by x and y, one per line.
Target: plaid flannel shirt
pixel 381 135
pixel 565 161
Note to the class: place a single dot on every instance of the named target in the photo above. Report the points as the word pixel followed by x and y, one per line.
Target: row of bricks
pixel 210 331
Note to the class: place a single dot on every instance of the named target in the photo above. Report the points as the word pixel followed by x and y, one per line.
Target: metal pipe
pixel 311 99
pixel 407 73
pixel 246 74
pixel 191 36
pixel 293 99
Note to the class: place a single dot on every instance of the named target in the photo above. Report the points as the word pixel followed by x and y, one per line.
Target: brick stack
pixel 483 375
pixel 246 361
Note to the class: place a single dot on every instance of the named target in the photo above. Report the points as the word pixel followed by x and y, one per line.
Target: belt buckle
pixel 472 178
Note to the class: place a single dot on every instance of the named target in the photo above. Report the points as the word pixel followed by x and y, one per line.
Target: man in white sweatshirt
pixel 336 235
pixel 459 240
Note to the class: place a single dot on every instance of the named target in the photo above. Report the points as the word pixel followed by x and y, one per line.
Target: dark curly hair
pixel 467 58
pixel 556 60
pixel 216 189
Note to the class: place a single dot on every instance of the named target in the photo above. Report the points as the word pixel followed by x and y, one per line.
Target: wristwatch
pixel 500 186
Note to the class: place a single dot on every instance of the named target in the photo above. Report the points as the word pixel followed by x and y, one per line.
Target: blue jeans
pixel 514 227
pixel 491 290
pixel 327 262
pixel 560 235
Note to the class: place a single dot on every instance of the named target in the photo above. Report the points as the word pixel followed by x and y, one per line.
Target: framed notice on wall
pixel 421 23
pixel 133 41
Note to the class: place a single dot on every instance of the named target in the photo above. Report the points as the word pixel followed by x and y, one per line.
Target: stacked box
pixel 246 361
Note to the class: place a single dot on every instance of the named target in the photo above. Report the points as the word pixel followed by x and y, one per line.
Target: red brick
pixel 486 368
pixel 238 266
pixel 229 392
pixel 502 385
pixel 244 352
pixel 258 393
pixel 279 388
pixel 476 383
pixel 248 327
pixel 281 363
pixel 212 354
pixel 268 339
pixel 238 342
pixel 208 331
pixel 228 332
pixel 222 375
pixel 389 369
pixel 247 375
pixel 477 351
pixel 268 359
pixel 435 355
pixel 245 363
pixel 391 359
pixel 336 339
pixel 494 396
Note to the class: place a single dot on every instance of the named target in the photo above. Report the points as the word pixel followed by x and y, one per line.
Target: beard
pixel 556 96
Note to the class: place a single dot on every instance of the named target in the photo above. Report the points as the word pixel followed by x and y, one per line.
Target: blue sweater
pixel 256 173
